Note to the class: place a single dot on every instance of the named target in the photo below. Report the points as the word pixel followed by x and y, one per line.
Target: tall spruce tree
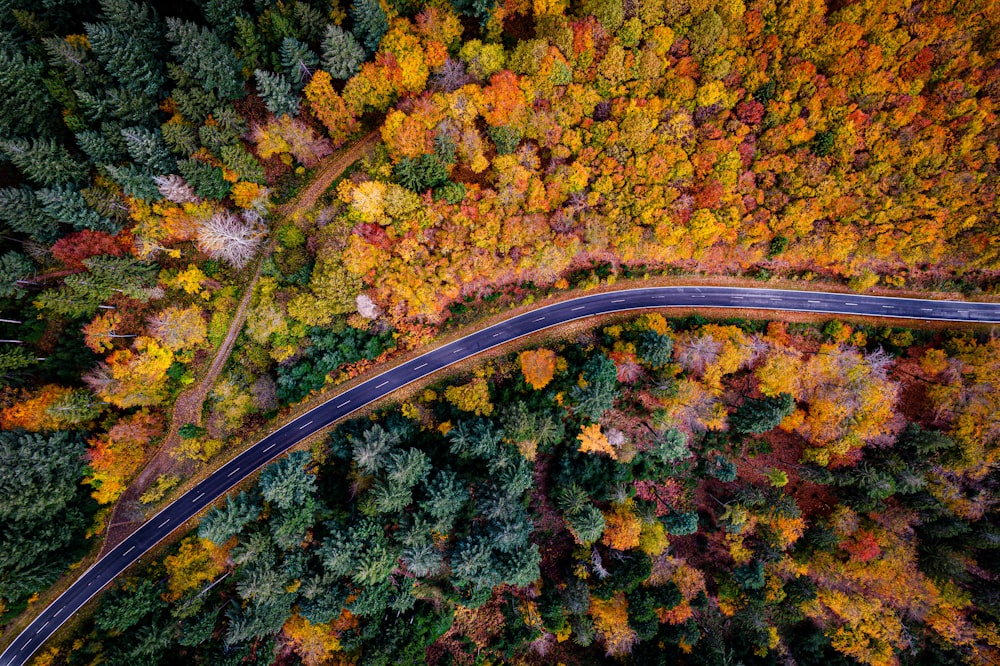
pixel 129 45
pixel 206 58
pixel 298 61
pixel 342 54
pixel 147 149
pixel 15 270
pixel 22 212
pixel 66 204
pixel 44 160
pixel 25 105
pixel 277 94
pixel 370 23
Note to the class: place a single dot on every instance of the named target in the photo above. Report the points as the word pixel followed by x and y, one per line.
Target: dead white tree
pixel 174 188
pixel 232 238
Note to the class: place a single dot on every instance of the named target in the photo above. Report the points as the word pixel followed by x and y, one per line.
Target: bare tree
pixel 176 189
pixel 232 238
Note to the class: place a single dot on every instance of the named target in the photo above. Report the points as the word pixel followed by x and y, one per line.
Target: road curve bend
pixel 337 407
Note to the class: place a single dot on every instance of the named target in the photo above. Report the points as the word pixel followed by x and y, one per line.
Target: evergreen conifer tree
pixel 250 47
pixel 135 181
pixel 342 54
pixel 276 92
pixel 22 212
pixel 44 160
pixel 66 204
pixel 25 105
pixel 129 45
pixel 298 61
pixel 208 61
pixel 99 147
pixel 147 149
pixel 15 269
pixel 370 23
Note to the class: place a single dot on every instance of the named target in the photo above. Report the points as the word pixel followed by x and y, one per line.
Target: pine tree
pixel 135 181
pixel 12 359
pixel 25 105
pixel 99 147
pixel 22 212
pixel 236 158
pixel 250 47
pixel 209 62
pixel 65 204
pixel 116 103
pixel 75 409
pixel 342 55
pixel 222 15
pixel 370 23
pixel 206 179
pixel 129 45
pixel 180 136
pixel 44 161
pixel 15 269
pixel 223 522
pixel 276 92
pixel 194 103
pixel 75 62
pixel 298 61
pixel 147 149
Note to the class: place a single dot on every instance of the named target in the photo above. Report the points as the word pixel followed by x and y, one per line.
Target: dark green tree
pixel 128 605
pixel 147 149
pixel 655 349
pixel 298 61
pixel 137 182
pixel 286 483
pixel 66 204
pixel 238 159
pixel 229 519
pixel 207 60
pixel 276 92
pixel 44 161
pixel 45 509
pixel 15 271
pixel 682 524
pixel 759 415
pixel 129 44
pixel 506 139
pixel 22 212
pixel 103 146
pixel 208 181
pixel 370 23
pixel 598 395
pixel 342 54
pixel 26 107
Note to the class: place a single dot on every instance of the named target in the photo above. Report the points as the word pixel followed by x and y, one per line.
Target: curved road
pixel 339 406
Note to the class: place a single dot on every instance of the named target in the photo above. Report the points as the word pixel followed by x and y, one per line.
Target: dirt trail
pixel 128 514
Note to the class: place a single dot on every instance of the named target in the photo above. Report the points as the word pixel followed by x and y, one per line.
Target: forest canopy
pixel 314 186
pixel 632 508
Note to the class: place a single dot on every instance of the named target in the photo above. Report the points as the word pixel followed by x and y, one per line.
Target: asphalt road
pixel 337 407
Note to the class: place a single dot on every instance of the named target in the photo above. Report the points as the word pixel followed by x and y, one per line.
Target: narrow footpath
pixel 128 513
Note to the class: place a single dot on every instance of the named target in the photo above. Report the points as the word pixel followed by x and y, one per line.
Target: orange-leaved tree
pixel 538 367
